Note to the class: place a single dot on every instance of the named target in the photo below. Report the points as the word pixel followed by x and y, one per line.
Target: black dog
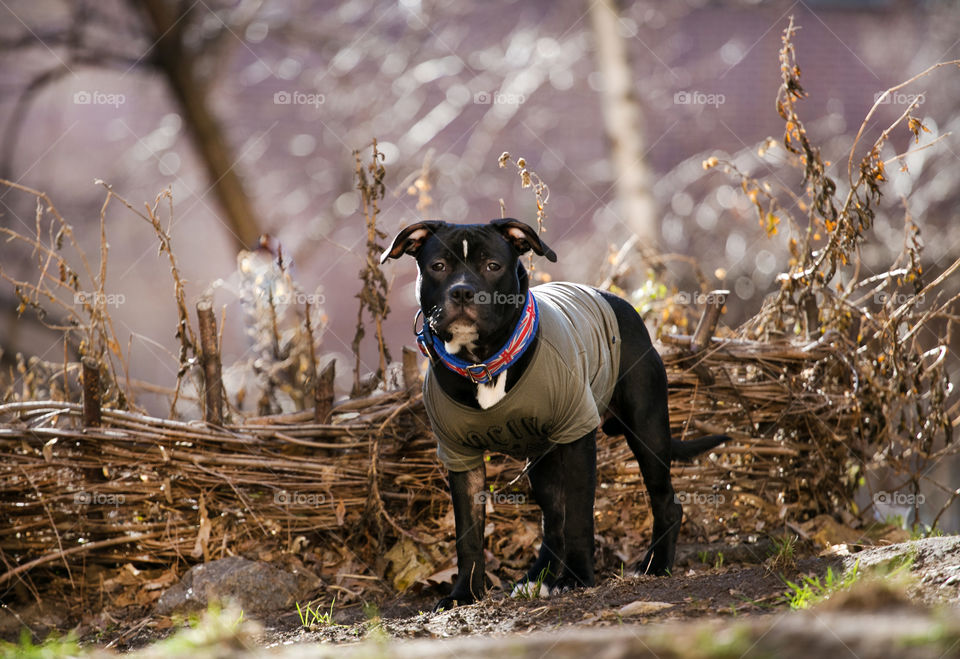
pixel 529 372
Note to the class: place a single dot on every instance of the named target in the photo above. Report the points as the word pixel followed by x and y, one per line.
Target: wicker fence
pixel 147 491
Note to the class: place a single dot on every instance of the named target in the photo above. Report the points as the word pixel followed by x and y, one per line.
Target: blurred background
pixel 250 112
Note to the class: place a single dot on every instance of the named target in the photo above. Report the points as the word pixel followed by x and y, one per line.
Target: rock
pixel 930 554
pixel 254 586
pixel 40 618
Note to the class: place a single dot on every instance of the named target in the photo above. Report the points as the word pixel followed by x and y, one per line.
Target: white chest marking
pixel 491 393
pixel 463 335
pixel 464 248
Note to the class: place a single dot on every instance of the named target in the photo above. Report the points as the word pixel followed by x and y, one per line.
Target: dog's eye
pixel 493 266
pixel 438 266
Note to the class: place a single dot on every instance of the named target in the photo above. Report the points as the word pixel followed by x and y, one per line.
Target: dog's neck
pixel 464 389
pixel 483 396
pixel 483 372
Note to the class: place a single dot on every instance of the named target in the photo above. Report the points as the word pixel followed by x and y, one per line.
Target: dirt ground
pixel 904 601
pixel 721 601
pixel 700 591
pixel 707 584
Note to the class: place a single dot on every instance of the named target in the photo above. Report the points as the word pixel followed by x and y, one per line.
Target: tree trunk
pixel 624 125
pixel 168 25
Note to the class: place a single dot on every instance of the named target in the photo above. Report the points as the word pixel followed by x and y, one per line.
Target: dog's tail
pixel 678 450
pixel 693 447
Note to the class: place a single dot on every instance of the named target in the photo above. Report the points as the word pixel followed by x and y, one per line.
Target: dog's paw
pixel 452 601
pixel 653 564
pixel 567 583
pixel 530 590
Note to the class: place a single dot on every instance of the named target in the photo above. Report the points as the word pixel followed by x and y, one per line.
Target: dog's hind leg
pixel 645 421
pixel 649 438
pixel 639 411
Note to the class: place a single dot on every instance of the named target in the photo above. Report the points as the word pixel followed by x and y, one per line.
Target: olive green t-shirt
pixel 559 398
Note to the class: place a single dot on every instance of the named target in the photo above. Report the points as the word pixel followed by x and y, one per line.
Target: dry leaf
pixel 48 449
pixel 203 535
pixel 641 608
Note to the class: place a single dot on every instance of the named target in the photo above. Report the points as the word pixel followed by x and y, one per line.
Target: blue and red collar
pixel 484 372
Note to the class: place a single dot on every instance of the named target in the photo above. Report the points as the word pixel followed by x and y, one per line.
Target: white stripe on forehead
pixel 464 248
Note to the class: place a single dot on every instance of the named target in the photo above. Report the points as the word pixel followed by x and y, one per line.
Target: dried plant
pixel 77 301
pixel 373 294
pixel 185 334
pixel 419 184
pixel 541 192
pixel 280 321
pixel 79 295
pixel 878 323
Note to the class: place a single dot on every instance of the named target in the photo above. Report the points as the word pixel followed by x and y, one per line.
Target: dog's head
pixel 471 285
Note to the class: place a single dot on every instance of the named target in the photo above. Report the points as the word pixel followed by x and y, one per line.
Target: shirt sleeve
pixel 454 455
pixel 458 458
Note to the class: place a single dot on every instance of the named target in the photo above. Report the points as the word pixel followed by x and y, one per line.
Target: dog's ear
pixel 410 240
pixel 523 237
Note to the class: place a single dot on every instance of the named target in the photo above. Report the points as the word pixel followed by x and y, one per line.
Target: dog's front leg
pixel 580 473
pixel 469 507
pixel 564 484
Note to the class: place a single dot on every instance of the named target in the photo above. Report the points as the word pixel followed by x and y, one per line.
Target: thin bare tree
pixel 623 120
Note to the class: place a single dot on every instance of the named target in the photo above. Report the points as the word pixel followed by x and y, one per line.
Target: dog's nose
pixel 461 293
